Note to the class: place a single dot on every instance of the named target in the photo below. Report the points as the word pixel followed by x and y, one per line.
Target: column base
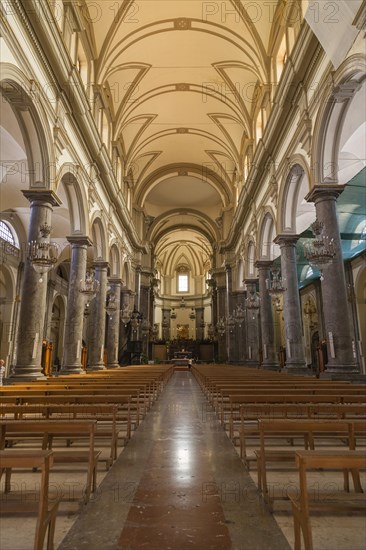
pixel 71 370
pixel 252 363
pixel 297 368
pixel 112 366
pixel 26 374
pixel 343 373
pixel 273 366
pixel 93 368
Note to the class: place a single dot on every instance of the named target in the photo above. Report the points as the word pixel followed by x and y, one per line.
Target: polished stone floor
pixel 178 485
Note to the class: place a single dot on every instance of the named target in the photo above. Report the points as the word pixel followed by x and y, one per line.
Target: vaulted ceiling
pixel 182 78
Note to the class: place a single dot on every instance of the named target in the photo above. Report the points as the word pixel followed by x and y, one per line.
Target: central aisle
pixel 178 485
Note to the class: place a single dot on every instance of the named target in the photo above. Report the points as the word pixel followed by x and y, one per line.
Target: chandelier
pixel 321 250
pixel 42 253
pixel 239 315
pixel 89 286
pixel 211 331
pixel 125 314
pixel 136 319
pixel 275 285
pixel 220 326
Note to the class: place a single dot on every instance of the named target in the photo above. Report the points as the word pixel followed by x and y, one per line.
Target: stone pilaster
pixel 253 328
pixel 97 320
pixel 71 362
pixel 334 291
pixel 113 324
pixel 295 351
pixel 28 362
pixel 266 315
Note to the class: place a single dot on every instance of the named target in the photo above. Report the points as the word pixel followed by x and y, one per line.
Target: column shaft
pixel 28 362
pixel 97 320
pixel 295 351
pixel 252 324
pixel 71 362
pixel 113 325
pixel 336 313
pixel 266 312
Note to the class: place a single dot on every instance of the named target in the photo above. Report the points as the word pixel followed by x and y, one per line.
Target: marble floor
pixel 179 484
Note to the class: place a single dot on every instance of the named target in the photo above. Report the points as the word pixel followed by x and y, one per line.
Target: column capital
pixel 80 240
pixel 115 280
pixel 324 191
pixel 286 239
pixel 100 264
pixel 42 195
pixel 263 264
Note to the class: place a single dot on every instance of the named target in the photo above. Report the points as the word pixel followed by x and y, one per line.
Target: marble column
pixel 221 309
pixel 71 362
pixel 124 329
pixel 113 324
pixel 28 362
pixel 336 312
pixel 97 320
pixel 269 361
pixel 252 323
pixel 230 323
pixel 295 349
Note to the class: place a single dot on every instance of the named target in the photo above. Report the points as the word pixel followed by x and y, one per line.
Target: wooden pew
pixel 47 431
pixel 305 430
pixel 40 506
pixel 105 415
pixel 251 413
pixel 307 502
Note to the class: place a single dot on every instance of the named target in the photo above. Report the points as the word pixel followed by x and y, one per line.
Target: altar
pixel 182 358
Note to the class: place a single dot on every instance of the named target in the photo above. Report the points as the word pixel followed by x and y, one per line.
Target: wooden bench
pixel 40 506
pixel 251 413
pixel 105 415
pixel 47 431
pixel 308 502
pixel 305 430
pixel 128 412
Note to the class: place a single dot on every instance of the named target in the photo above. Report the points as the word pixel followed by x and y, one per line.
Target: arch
pixel 267 232
pixel 202 172
pixel 250 269
pixel 77 202
pixel 115 260
pixel 126 278
pixel 99 237
pixel 16 88
pixel 335 104
pixel 294 213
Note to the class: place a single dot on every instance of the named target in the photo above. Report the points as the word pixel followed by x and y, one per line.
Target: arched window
pixel 6 233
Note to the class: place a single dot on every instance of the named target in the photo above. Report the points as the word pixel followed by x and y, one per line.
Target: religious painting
pixel 182 332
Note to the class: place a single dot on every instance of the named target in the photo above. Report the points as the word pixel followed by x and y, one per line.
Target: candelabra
pixel 42 253
pixel 220 326
pixel 275 287
pixel 125 314
pixel 89 287
pixel 321 250
pixel 239 314
pixel 111 304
